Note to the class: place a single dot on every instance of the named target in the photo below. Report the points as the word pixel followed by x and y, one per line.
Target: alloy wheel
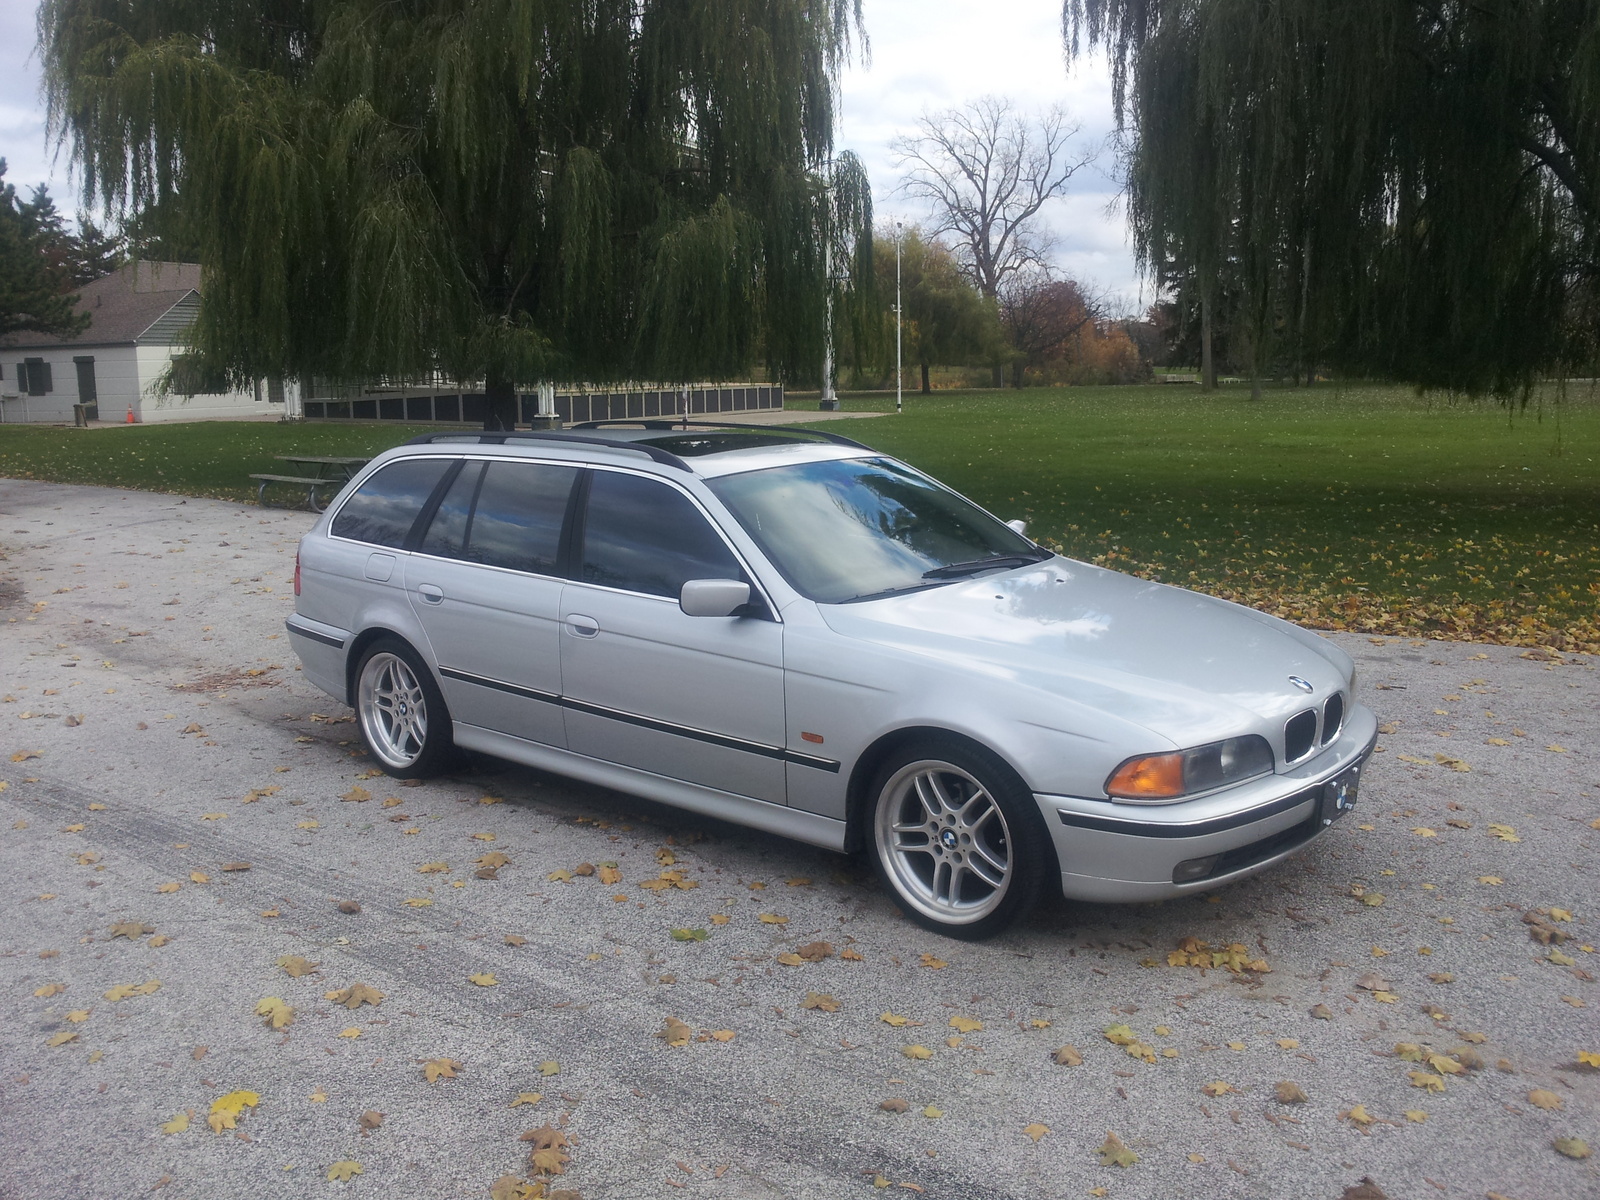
pixel 944 842
pixel 394 711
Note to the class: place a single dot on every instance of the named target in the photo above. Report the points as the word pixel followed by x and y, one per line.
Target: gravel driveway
pixel 155 737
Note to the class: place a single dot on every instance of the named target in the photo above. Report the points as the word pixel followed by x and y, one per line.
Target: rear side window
pixel 383 509
pixel 447 532
pixel 644 536
pixel 517 520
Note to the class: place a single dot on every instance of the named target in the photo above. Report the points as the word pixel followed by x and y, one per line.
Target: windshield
pixel 857 529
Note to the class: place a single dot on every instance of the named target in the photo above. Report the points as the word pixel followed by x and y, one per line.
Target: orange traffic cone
pixel 128 420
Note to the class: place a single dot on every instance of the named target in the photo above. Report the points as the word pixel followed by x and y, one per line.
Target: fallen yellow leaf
pixel 276 1014
pixel 354 996
pixel 226 1110
pixel 675 1032
pixel 439 1068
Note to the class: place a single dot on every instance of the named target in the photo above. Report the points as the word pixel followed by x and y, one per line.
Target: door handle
pixel 430 593
pixel 582 626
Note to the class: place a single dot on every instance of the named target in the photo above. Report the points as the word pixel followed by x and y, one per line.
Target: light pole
pixel 829 401
pixel 899 235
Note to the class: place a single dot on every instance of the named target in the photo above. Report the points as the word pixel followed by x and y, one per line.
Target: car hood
pixel 1187 667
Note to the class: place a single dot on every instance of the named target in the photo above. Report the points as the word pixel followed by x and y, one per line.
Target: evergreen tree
pixel 1400 189
pixel 94 252
pixel 506 190
pixel 35 274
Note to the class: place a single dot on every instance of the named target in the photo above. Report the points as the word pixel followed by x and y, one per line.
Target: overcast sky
pixel 927 55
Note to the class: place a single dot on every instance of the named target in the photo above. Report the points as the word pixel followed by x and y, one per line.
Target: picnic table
pixel 316 471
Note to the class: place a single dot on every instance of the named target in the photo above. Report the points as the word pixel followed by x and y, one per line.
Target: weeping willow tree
pixel 1393 188
pixel 504 190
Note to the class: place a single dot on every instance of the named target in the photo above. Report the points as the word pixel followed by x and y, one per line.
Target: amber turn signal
pixel 1156 776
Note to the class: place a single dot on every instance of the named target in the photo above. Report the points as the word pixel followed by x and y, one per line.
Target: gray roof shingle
pixel 124 307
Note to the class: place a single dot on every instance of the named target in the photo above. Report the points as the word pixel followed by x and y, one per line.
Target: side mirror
pixel 713 597
pixel 1018 526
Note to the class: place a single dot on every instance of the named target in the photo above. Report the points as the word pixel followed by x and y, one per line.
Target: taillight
pixel 297 572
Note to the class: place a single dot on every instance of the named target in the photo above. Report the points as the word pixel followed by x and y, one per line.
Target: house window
pixel 33 377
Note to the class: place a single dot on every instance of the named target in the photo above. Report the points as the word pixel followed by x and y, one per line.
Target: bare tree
pixel 986 170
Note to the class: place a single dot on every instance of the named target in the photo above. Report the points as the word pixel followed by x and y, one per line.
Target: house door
pixel 87 396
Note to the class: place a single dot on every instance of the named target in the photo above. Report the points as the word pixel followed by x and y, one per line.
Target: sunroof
pixel 692 445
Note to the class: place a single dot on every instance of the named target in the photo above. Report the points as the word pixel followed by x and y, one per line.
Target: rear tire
pixel 958 839
pixel 401 711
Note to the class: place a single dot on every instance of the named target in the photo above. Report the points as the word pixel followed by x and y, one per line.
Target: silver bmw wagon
pixel 789 630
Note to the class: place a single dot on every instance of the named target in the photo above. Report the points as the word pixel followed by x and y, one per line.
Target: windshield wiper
pixel 955 570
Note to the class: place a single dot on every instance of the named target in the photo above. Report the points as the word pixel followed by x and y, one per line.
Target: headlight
pixel 1152 778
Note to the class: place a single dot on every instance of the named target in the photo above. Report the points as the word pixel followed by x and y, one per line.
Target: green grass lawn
pixel 1360 508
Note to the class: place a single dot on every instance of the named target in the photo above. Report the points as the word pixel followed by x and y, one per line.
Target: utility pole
pixel 899 236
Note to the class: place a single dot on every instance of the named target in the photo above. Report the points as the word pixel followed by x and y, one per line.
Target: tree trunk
pixel 499 404
pixel 1257 354
pixel 997 376
pixel 1208 367
pixel 927 390
pixel 1301 350
pixel 1016 375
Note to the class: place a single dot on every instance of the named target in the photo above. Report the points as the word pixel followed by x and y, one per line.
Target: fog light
pixel 1194 868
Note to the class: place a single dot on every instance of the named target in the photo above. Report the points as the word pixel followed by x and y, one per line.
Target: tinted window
pixel 384 507
pixel 517 520
pixel 447 532
pixel 647 537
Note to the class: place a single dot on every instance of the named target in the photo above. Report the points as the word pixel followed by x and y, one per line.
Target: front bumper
pixel 1117 853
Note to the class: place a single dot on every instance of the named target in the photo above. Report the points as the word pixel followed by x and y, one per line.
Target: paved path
pixel 142 658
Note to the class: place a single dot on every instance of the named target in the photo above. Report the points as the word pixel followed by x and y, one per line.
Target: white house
pixel 116 366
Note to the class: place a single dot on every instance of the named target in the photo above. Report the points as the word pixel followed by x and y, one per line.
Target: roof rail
pixel 670 424
pixel 501 437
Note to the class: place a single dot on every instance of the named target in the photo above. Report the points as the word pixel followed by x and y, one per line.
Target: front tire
pixel 402 712
pixel 958 839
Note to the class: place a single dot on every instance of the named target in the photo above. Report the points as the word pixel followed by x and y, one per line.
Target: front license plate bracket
pixel 1339 794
